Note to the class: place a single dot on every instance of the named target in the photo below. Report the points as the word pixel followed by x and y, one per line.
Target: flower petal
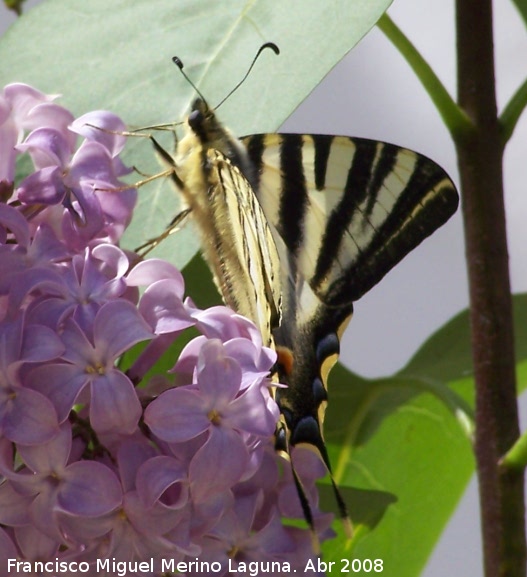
pixel 152 270
pixel 47 147
pixel 159 474
pixel 177 415
pixel 49 458
pixel 30 418
pixel 114 404
pixel 40 344
pixel 219 376
pixel 44 187
pixel 103 127
pixel 61 383
pixel 250 413
pixel 163 309
pixel 13 221
pixel 89 489
pixel 218 465
pixel 118 326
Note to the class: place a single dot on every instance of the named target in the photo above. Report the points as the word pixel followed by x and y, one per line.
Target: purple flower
pixel 71 182
pixel 113 403
pixel 77 288
pixel 20 250
pixel 162 306
pixel 154 519
pixel 22 107
pixel 162 302
pixel 216 406
pixel 105 128
pixel 256 361
pixel 222 323
pixel 82 488
pixel 84 181
pixel 238 539
pixel 26 416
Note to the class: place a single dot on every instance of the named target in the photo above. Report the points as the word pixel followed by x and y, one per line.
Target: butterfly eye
pixel 195 120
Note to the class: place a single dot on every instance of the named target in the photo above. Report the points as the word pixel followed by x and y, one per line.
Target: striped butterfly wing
pixel 347 209
pixel 344 211
pixel 239 247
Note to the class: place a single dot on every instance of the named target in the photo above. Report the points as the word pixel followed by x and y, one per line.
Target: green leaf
pixel 117 55
pixel 512 112
pixel 521 5
pixel 14 5
pixel 404 442
pixel 447 356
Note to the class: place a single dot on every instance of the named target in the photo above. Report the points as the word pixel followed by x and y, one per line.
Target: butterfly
pixel 296 228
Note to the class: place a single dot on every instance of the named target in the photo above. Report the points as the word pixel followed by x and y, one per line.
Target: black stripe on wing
pixel 255 146
pixel 294 198
pixel 356 192
pixel 322 144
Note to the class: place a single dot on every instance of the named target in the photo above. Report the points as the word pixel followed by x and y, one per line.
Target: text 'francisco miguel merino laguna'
pixel 122 568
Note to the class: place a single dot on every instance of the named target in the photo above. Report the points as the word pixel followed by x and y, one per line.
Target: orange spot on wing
pixel 285 359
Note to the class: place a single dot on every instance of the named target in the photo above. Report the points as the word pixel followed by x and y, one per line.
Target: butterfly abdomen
pixel 304 365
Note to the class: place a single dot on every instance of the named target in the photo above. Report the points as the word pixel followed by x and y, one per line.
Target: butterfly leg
pixel 149 245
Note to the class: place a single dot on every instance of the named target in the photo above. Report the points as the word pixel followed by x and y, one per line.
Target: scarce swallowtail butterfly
pixel 296 228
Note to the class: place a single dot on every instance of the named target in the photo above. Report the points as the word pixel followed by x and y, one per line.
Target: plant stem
pixel 454 118
pixel 480 153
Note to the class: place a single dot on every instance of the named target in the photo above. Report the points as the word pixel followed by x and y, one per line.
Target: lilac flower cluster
pixel 98 464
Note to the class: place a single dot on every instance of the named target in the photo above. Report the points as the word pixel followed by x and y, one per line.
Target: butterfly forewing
pixel 348 209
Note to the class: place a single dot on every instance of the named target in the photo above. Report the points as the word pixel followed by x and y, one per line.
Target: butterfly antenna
pixel 179 63
pixel 263 47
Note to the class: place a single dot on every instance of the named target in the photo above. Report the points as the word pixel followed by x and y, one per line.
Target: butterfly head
pixel 211 134
pixel 201 120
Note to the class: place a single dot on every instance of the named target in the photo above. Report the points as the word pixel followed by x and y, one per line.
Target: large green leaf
pixel 117 54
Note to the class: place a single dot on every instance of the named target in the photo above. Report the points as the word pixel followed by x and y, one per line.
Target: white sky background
pixel 372 93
